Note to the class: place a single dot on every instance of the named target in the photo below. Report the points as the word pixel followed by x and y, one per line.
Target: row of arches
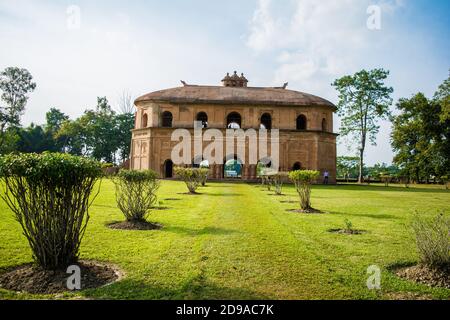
pixel 234 121
pixel 232 167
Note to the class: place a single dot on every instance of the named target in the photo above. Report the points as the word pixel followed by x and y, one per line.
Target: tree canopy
pixel 15 86
pixel 421 135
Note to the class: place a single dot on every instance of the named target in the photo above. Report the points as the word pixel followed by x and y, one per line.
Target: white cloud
pixel 113 50
pixel 320 41
pixel 320 38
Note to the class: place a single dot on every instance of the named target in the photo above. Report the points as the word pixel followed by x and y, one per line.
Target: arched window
pixel 234 121
pixel 301 122
pixel 297 166
pixel 203 118
pixel 144 120
pixel 266 121
pixel 167 119
pixel 324 125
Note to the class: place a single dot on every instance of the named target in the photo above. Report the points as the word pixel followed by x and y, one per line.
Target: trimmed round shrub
pixel 50 195
pixel 193 177
pixel 136 193
pixel 278 180
pixel 303 180
pixel 203 172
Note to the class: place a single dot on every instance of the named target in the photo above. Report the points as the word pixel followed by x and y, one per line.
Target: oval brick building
pixel 304 121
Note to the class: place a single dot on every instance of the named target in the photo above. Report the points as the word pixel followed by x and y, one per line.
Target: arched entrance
pixel 232 168
pixel 297 166
pixel 301 122
pixel 168 169
pixel 264 167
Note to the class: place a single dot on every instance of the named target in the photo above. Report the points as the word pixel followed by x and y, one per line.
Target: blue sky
pixel 143 46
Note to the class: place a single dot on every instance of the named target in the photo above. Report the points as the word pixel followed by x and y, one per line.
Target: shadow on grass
pixel 190 193
pixel 366 215
pixel 197 288
pixel 197 232
pixel 224 194
pixel 356 187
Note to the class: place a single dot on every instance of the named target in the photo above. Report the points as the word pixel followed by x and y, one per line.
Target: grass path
pixel 237 241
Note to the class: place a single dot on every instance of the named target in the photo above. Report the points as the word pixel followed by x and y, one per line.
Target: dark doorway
pixel 168 169
pixel 301 122
pixel 297 166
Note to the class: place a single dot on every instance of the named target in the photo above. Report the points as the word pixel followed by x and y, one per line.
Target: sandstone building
pixel 305 123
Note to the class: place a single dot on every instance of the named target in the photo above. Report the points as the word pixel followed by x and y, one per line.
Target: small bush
pixel 303 180
pixel 433 240
pixel 348 225
pixel 267 181
pixel 191 176
pixel 203 172
pixel 107 165
pixel 50 196
pixel 278 181
pixel 136 193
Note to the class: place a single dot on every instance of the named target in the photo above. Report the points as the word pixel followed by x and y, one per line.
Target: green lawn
pixel 237 241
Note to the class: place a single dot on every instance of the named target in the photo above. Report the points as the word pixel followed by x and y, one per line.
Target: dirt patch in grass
pixel 347 231
pixel 32 279
pixel 308 211
pixel 425 275
pixel 408 296
pixel 135 225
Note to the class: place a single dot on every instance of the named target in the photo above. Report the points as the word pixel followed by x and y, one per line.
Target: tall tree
pixel 15 85
pixel 364 99
pixel 421 135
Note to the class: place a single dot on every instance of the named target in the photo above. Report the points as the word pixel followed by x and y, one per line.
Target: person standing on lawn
pixel 326 176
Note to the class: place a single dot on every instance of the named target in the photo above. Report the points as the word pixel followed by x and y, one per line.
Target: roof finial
pixel 235 80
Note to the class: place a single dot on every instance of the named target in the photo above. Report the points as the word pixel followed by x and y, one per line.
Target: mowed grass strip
pixel 238 241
